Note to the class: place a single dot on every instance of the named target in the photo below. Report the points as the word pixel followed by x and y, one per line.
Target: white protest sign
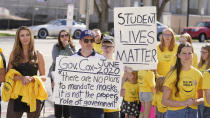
pixel 70 14
pixel 87 82
pixel 135 32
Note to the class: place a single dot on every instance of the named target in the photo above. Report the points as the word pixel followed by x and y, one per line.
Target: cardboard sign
pixel 135 32
pixel 87 82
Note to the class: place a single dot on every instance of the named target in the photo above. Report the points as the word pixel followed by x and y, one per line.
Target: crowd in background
pixel 178 88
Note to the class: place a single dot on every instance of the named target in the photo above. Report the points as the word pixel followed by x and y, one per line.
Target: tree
pixel 159 7
pixel 101 7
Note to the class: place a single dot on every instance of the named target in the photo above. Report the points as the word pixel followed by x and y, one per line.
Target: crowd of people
pixel 178 88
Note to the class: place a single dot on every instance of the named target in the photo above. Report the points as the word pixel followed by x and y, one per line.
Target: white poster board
pixel 70 14
pixel 87 82
pixel 135 32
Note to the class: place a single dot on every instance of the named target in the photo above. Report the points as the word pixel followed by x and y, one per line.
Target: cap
pixel 86 33
pixel 108 39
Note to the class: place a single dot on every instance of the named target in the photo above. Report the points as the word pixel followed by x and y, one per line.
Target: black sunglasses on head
pixel 87 40
pixel 64 35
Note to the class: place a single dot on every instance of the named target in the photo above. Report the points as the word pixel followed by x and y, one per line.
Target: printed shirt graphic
pixel 190 82
pixel 131 92
pixel 165 60
pixel 206 81
pixel 146 80
pixel 157 101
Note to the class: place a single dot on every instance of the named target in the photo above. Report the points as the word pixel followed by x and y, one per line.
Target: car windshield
pixel 202 24
pixel 52 22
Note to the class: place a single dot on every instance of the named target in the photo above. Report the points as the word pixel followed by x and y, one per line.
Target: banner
pixel 135 32
pixel 87 82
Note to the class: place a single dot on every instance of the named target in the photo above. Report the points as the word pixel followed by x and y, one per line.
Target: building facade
pixel 41 11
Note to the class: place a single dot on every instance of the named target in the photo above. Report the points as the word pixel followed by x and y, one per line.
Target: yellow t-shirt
pixel 146 80
pixel 157 101
pixel 165 59
pixel 190 82
pixel 97 47
pixel 206 81
pixel 194 63
pixel 203 68
pixel 131 92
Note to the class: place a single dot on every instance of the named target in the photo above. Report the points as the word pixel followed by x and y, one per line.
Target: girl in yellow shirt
pixel 166 51
pixel 160 109
pixel 130 102
pixel 182 90
pixel 146 80
pixel 206 88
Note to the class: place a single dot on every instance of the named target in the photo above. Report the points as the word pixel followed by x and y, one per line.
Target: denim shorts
pixel 145 96
pixel 206 112
pixel 183 113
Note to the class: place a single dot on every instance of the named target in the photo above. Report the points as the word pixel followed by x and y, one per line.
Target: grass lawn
pixel 6 34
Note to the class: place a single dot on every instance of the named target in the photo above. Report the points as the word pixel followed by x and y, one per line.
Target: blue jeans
pixel 86 112
pixel 200 110
pixel 206 112
pixel 183 113
pixel 161 115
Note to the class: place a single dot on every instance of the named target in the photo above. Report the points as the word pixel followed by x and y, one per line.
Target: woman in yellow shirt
pixel 187 38
pixel 206 88
pixel 204 63
pixel 160 109
pixel 182 90
pixel 146 80
pixel 166 51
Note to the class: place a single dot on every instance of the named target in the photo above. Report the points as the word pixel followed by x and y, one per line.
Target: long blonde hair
pixel 18 49
pixel 172 43
pixel 206 47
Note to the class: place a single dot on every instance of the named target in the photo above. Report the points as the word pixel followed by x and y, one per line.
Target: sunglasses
pixel 89 40
pixel 64 35
pixel 167 35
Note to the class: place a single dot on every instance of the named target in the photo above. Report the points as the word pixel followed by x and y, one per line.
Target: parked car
pixel 160 28
pixel 54 27
pixel 201 31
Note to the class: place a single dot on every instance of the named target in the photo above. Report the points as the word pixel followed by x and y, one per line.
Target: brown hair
pixel 70 40
pixel 188 37
pixel 18 49
pixel 178 64
pixel 159 84
pixel 172 43
pixel 135 77
pixel 206 47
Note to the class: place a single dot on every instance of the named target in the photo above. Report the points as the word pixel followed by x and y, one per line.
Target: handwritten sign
pixel 87 82
pixel 136 37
